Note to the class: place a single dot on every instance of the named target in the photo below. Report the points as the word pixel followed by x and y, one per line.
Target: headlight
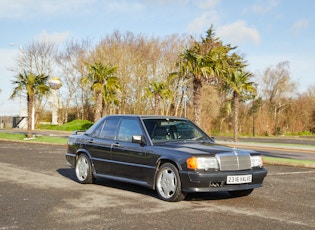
pixel 256 161
pixel 202 163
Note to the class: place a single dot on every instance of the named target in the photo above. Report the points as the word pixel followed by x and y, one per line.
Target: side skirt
pixel 125 180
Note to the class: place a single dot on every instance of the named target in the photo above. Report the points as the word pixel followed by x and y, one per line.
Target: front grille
pixel 233 161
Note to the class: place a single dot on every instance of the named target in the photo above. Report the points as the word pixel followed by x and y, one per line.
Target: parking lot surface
pixel 39 191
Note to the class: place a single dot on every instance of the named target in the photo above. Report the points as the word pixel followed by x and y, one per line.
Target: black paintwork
pixel 138 162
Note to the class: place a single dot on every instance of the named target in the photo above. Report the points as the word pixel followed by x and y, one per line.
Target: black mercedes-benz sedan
pixel 168 154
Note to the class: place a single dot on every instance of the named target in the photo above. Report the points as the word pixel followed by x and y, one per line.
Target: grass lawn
pixel 38 139
pixel 287 161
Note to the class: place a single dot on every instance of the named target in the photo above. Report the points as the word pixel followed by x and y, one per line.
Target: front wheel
pixel 240 193
pixel 83 170
pixel 168 184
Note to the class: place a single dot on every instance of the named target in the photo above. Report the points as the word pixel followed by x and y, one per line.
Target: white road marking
pixel 291 173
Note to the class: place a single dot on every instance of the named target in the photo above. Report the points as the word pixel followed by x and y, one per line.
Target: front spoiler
pixel 193 181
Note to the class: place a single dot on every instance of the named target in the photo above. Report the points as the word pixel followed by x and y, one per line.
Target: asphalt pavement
pixel 39 191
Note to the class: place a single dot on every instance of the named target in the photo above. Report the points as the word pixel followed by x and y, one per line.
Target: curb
pixel 303 148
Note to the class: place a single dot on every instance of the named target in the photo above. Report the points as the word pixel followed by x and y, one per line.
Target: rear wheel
pixel 168 184
pixel 83 170
pixel 240 193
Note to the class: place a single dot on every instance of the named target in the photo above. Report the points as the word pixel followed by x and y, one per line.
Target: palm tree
pixel 238 84
pixel 158 90
pixel 110 93
pixel 103 85
pixel 35 85
pixel 204 61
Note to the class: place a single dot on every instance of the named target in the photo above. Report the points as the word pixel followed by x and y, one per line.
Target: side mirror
pixel 139 139
pixel 76 132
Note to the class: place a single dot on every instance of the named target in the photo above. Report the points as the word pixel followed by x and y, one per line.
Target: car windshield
pixel 165 130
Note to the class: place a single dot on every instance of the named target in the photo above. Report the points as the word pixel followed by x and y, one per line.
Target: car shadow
pixel 208 196
pixel 126 187
pixel 70 174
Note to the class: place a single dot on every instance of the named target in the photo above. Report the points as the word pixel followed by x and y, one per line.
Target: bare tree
pixel 140 60
pixel 72 62
pixel 277 86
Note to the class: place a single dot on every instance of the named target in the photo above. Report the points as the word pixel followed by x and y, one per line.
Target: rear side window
pixel 95 129
pixel 96 132
pixel 106 129
pixel 109 129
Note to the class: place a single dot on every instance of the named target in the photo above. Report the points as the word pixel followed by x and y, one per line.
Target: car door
pixel 127 157
pixel 100 143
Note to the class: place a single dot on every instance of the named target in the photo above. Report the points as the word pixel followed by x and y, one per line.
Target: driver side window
pixel 127 129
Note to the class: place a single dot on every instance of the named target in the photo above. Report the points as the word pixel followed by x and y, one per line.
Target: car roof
pixel 147 116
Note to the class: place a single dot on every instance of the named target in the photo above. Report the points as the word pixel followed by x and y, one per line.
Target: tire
pixel 241 193
pixel 83 170
pixel 168 184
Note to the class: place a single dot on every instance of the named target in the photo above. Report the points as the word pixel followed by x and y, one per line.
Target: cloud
pixel 206 4
pixel 10 9
pixel 202 22
pixel 32 8
pixel 238 32
pixel 299 26
pixel 57 38
pixel 167 2
pixel 123 6
pixel 264 6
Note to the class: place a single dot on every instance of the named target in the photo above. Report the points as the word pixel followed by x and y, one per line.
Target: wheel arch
pixel 80 151
pixel 159 163
pixel 83 151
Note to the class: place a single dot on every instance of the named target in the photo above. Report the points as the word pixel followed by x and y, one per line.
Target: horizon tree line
pixel 203 79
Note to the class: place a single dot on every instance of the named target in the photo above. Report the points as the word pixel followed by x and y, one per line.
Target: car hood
pixel 197 147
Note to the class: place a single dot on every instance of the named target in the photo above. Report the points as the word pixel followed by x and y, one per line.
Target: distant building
pixel 9 122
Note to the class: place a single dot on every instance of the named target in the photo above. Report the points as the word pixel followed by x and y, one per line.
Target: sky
pixel 266 32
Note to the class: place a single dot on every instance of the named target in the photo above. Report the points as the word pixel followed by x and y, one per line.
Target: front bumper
pixel 194 181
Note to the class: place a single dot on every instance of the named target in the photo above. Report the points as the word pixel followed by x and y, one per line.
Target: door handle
pixel 116 144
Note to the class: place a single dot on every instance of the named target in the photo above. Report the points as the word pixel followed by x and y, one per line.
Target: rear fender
pixel 83 151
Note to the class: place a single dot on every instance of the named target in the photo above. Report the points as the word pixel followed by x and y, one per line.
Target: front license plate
pixel 241 179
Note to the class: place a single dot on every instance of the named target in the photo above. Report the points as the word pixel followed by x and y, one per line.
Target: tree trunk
pixel 236 109
pixel 104 109
pixel 30 104
pixel 156 103
pixel 275 117
pixel 98 107
pixel 197 85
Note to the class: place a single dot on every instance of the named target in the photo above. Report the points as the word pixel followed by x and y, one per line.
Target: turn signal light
pixel 192 163
pixel 205 163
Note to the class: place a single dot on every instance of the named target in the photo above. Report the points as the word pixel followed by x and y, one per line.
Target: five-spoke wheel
pixel 83 170
pixel 168 184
